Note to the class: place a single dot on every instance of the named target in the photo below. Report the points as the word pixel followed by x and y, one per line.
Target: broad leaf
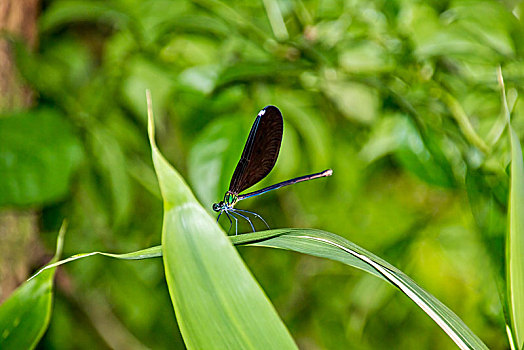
pixel 218 303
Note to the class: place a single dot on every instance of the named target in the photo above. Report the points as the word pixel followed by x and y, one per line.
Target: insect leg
pixel 230 222
pixel 245 217
pixel 230 212
pixel 258 216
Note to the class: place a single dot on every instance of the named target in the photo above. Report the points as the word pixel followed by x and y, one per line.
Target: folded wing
pixel 261 150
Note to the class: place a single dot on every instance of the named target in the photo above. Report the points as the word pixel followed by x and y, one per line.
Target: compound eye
pixel 216 207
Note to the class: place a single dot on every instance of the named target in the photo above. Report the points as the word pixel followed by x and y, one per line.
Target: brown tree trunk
pixel 18 228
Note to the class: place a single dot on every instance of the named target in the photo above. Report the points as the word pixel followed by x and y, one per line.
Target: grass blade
pixel 515 236
pixel 218 303
pixel 327 245
pixel 148 253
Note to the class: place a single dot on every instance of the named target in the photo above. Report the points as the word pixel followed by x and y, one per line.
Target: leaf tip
pixel 60 240
pixel 500 78
pixel 150 119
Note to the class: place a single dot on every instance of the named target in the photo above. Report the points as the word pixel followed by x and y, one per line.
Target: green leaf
pixel 327 245
pixel 218 303
pixel 515 236
pixel 148 253
pixel 25 315
pixel 38 154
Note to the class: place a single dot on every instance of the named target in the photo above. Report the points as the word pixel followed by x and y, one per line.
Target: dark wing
pixel 261 150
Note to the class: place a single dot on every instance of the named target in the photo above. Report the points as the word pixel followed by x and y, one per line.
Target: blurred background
pixel 398 97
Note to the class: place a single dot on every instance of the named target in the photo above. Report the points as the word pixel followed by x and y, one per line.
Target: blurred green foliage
pixel 400 98
pixel 37 155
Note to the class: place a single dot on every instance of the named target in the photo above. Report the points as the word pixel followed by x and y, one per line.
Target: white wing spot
pixel 262 112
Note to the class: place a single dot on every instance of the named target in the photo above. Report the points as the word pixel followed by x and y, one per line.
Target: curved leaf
pixel 148 253
pixel 327 245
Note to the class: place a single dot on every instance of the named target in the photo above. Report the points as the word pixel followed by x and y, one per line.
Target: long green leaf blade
pixel 218 303
pixel 327 245
pixel 515 236
pixel 148 253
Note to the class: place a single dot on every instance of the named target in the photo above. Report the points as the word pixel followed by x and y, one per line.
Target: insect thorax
pixel 230 199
